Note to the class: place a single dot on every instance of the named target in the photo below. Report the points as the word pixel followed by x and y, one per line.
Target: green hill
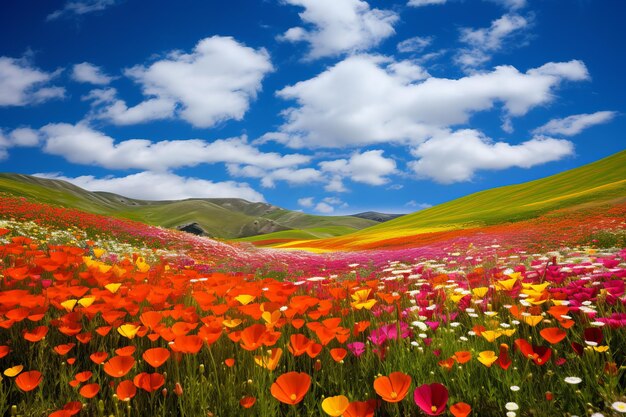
pixel 218 217
pixel 600 182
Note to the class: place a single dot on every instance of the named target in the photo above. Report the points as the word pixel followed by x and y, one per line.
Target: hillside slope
pixel 600 182
pixel 218 217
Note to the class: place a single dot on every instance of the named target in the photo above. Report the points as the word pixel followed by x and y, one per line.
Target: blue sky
pixel 326 106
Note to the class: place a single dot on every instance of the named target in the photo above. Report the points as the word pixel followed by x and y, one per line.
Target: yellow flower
pixel 245 299
pixel 128 330
pixel 480 292
pixel 335 406
pixel 506 284
pixel 487 357
pixel 491 335
pixel 361 301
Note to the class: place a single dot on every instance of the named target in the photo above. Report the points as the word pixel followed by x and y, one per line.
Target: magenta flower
pixel 431 398
pixel 357 348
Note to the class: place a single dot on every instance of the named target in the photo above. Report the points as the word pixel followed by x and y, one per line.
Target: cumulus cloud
pixel 420 3
pixel 161 186
pixel 483 42
pixel 89 73
pixel 324 208
pixel 456 156
pixel 20 137
pixel 511 4
pixel 415 44
pixel 214 83
pixel 340 26
pixel 81 7
pixel 269 177
pixel 573 125
pixel 22 84
pixel 83 145
pixel 366 99
pixel 306 202
pixel 418 206
pixel 369 167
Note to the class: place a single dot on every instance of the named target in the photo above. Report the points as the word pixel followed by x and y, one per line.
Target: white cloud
pixel 21 84
pixel 415 44
pixel 369 167
pixel 162 186
pixel 324 208
pixel 306 202
pixel 365 100
pixel 89 73
pixel 20 137
pixel 456 156
pixel 83 145
pixel 340 26
pixel 81 7
pixel 573 125
pixel 420 3
pixel 485 41
pixel 419 206
pixel 212 84
pixel 511 4
pixel 269 177
pixel 335 185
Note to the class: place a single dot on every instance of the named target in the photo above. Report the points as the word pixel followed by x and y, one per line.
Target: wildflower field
pixel 108 317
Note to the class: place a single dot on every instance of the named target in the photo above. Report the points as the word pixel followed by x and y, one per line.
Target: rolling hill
pixel 599 183
pixel 218 217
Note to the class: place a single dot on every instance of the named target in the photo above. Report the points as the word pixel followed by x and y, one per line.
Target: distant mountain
pixel 377 217
pixel 216 217
pixel 597 184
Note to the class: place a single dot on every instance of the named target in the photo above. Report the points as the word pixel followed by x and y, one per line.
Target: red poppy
pixel 460 409
pixel 361 409
pixel 539 354
pixel 247 402
pixel 149 382
pixel 553 334
pixel 338 354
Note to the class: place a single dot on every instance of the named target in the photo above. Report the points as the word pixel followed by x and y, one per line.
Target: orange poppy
pixel 125 390
pixel 230 362
pixel 89 390
pixel 298 344
pixel 335 406
pixel 394 387
pixel 28 381
pixel 247 402
pixel 291 387
pixel 338 354
pixel 361 409
pixel 98 357
pixel 460 409
pixel 126 351
pixel 118 366
pixel 463 356
pixel 553 334
pixel 83 376
pixel 270 362
pixel 37 334
pixel 64 349
pixel 156 356
pixel 187 344
pixel 4 350
pixel 149 382
pixel 252 337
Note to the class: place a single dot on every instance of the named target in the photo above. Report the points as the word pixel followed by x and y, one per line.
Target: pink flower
pixel 431 398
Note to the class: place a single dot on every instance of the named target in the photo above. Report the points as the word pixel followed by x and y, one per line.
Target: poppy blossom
pixel 126 390
pixel 156 356
pixel 462 356
pixel 431 398
pixel 89 390
pixel 361 409
pixel 28 381
pixel 393 388
pixel 149 382
pixel 335 406
pixel 291 387
pixel 269 361
pixel 247 402
pixel 13 371
pixel 338 354
pixel 460 409
pixel 118 366
pixel 487 357
pixel 539 354
pixel 553 334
